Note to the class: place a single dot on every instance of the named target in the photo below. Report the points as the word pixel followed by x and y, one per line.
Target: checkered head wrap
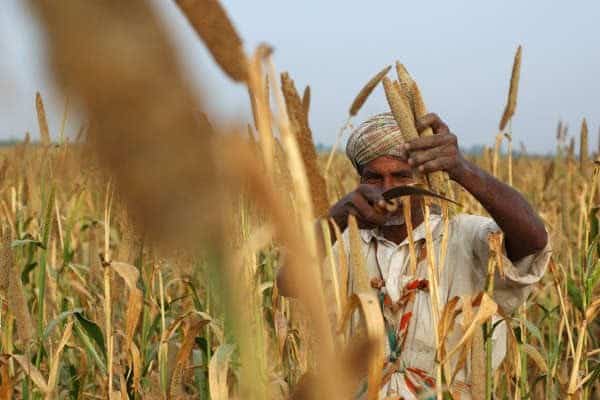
pixel 378 136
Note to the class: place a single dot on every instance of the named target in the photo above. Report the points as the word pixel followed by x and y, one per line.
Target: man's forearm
pixel 524 232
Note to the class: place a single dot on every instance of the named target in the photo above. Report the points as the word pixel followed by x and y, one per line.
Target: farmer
pixel 383 161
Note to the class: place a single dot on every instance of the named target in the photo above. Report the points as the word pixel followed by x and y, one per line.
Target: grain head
pixel 366 90
pixel 301 130
pixel 583 146
pixel 211 22
pixel 42 120
pixel 511 104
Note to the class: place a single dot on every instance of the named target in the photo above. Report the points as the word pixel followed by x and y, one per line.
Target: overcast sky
pixel 460 52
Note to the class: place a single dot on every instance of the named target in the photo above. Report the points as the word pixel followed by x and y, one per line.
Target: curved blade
pixel 401 191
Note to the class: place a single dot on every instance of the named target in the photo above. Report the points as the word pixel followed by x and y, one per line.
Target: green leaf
pixel 574 293
pixel 591 258
pixel 595 376
pixel 594 226
pixel 93 331
pixel 550 314
pixel 25 242
pixel 28 268
pixel 61 317
pixel 535 331
pixel 48 217
pixel 594 276
pixel 197 302
pixel 89 345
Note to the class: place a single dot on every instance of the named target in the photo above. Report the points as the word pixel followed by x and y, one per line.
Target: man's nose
pixel 388 183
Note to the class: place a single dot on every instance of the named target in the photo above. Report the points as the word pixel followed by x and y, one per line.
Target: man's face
pixel 386 172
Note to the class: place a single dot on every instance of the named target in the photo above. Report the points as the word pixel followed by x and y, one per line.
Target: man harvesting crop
pixel 383 161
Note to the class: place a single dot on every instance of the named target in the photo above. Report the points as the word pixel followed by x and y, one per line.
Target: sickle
pixel 401 191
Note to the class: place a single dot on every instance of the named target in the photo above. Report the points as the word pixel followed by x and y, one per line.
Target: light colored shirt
pixel 464 274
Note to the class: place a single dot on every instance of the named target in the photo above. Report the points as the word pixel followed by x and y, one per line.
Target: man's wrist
pixel 460 172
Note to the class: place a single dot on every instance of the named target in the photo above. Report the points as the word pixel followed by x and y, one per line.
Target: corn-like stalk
pixel 510 158
pixel 261 111
pixel 108 328
pixel 583 146
pixel 496 154
pixel 406 209
pixel 432 275
pixel 336 144
pixel 163 346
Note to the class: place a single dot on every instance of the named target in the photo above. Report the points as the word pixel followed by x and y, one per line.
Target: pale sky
pixel 459 51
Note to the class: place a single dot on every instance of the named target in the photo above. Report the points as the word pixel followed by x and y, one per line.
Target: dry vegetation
pixel 134 264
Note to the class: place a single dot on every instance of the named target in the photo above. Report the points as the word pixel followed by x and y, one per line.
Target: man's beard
pixel 395 220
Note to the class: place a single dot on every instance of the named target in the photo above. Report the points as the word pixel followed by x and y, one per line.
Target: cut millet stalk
pixel 355 107
pixel 400 111
pixel 212 24
pixel 511 104
pixel 364 93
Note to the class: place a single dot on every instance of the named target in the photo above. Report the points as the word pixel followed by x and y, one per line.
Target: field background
pixel 55 213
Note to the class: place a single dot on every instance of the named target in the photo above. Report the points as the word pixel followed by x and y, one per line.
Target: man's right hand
pixel 365 203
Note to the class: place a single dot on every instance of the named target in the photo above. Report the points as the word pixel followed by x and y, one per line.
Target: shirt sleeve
pixel 511 289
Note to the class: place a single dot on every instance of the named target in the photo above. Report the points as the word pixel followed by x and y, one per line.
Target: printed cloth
pixel 378 136
pixel 405 299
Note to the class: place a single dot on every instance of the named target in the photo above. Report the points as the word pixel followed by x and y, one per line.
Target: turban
pixel 378 136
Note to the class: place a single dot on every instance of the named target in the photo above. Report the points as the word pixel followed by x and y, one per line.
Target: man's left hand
pixel 438 152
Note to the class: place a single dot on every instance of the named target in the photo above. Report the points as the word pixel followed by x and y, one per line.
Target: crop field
pixel 139 259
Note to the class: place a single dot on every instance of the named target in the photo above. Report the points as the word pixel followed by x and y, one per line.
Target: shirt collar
pixel 418 233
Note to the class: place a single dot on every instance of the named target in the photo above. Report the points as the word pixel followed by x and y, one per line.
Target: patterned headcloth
pixel 378 136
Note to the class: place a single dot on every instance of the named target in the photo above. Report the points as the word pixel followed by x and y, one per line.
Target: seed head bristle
pixel 406 84
pixel 571 149
pixel 439 180
pixel 400 110
pixel 306 100
pixel 583 145
pixel 478 363
pixel 511 105
pixel 364 93
pixel 3 169
pixel 5 260
pixel 406 98
pixel 15 292
pixel 42 120
pixel 300 128
pixel 211 22
pixel 559 129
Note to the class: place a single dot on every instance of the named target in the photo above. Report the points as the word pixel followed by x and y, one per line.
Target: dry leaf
pixel 32 372
pixel 130 275
pixel 535 356
pixel 218 369
pixel 373 319
pixel 53 376
pixel 487 308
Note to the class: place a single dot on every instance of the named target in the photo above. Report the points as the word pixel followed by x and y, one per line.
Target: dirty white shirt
pixel 464 273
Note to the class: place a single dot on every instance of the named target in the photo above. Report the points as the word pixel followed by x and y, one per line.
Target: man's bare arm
pixel 524 232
